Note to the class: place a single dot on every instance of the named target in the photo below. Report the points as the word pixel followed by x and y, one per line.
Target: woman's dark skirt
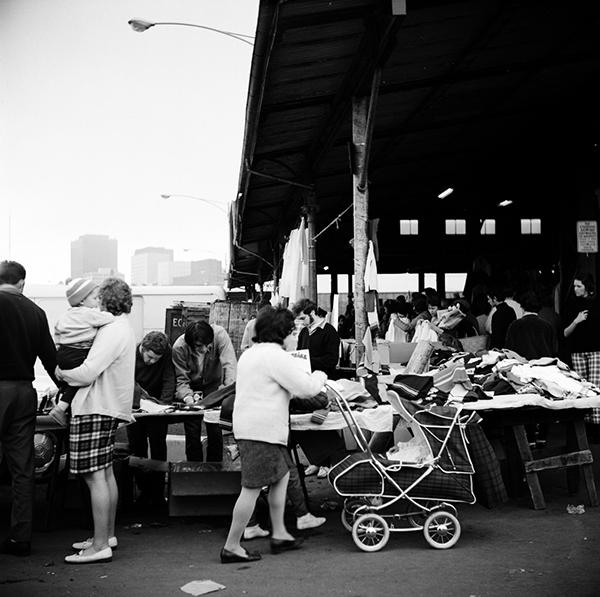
pixel 91 443
pixel 262 463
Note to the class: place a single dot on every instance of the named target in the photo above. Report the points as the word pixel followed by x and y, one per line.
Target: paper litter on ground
pixel 202 587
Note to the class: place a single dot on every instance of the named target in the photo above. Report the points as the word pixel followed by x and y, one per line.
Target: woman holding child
pixel 104 398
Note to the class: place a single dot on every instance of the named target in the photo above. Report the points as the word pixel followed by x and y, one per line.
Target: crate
pixel 233 317
pixel 202 489
pixel 178 317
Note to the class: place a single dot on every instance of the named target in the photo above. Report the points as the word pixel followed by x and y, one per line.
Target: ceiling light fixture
pixel 445 193
pixel 505 202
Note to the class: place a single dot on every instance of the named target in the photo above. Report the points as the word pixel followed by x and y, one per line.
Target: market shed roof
pixel 496 99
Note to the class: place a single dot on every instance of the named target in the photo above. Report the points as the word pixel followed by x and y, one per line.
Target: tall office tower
pixel 144 264
pixel 91 253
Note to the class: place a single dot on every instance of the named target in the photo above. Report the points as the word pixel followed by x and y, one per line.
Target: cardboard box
pixel 202 489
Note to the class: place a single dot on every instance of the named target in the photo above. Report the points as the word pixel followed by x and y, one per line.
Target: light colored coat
pixel 107 375
pixel 267 378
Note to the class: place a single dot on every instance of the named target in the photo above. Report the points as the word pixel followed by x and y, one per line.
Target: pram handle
pixel 350 420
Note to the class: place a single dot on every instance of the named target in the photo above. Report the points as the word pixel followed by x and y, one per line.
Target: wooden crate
pixel 233 317
pixel 178 316
pixel 202 489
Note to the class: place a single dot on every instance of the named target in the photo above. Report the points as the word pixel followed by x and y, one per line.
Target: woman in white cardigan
pixel 106 380
pixel 267 377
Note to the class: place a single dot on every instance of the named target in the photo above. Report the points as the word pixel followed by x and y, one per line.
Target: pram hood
pixel 442 428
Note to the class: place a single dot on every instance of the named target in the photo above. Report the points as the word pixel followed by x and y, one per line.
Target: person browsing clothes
pixel 204 361
pixel 154 381
pixel 267 378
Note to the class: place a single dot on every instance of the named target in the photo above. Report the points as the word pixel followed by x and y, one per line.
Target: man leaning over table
pixel 155 381
pixel 24 336
pixel 204 361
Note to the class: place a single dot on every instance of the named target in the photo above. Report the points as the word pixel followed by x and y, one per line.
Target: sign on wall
pixel 587 236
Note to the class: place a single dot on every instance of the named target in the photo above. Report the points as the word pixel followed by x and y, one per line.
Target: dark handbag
pixel 226 416
pixel 299 406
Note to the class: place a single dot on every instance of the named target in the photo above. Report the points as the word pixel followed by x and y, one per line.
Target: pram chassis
pixel 366 515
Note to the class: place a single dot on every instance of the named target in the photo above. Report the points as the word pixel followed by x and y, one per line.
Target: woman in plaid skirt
pixel 583 335
pixel 105 396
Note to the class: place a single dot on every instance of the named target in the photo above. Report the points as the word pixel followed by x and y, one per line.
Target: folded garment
pixel 475 394
pixel 350 390
pixel 319 416
pixel 413 387
pixel 498 387
pixel 445 379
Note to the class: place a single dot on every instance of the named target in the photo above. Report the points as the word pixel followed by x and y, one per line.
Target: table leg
pixel 533 481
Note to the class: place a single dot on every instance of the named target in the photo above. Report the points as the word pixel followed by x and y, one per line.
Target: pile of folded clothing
pixel 465 377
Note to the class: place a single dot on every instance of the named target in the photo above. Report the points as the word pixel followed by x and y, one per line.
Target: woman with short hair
pixel 267 377
pixel 104 399
pixel 583 336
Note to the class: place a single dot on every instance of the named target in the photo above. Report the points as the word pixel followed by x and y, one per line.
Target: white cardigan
pixel 107 375
pixel 267 377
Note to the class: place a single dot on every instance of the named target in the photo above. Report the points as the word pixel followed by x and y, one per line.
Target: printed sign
pixel 304 356
pixel 587 236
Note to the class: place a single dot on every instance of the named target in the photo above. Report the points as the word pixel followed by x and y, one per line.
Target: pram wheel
pixel 370 532
pixel 441 529
pixel 349 510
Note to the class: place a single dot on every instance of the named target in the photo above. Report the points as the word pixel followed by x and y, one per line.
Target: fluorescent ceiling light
pixel 445 193
pixel 505 203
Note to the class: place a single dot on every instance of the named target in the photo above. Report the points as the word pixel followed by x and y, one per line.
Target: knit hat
pixel 78 289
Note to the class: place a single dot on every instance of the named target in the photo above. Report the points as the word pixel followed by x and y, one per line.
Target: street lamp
pixel 140 26
pixel 220 206
pixel 216 204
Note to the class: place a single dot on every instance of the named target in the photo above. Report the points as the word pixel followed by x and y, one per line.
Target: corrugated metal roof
pixel 493 98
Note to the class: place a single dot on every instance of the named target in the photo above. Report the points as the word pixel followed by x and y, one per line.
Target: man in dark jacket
pixel 154 381
pixel 531 336
pixel 322 448
pixel 501 317
pixel 24 336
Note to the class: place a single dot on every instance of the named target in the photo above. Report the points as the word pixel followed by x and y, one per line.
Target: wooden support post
pixel 309 210
pixel 363 116
pixel 334 290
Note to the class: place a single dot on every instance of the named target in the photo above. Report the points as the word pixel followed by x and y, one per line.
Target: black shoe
pixel 279 545
pixel 228 557
pixel 16 548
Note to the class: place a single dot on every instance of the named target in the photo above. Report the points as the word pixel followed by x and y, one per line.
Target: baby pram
pixel 414 486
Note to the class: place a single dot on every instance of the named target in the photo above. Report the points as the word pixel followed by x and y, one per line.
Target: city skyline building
pixel 145 263
pixel 91 253
pixel 186 273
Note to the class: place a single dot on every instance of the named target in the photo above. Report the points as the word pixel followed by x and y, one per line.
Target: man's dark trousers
pixel 140 434
pixel 193 430
pixel 18 405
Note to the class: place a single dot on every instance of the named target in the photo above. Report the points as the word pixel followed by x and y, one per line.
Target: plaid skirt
pixel 587 364
pixel 91 443
pixel 263 463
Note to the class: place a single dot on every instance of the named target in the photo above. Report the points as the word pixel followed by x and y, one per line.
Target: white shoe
pixel 104 555
pixel 112 543
pixel 323 472
pixel 311 469
pixel 308 521
pixel 255 532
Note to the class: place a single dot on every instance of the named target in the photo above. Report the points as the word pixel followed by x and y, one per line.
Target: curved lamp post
pixel 140 26
pixel 220 206
pixel 216 204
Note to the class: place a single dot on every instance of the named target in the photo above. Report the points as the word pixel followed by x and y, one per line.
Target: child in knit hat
pixel 74 334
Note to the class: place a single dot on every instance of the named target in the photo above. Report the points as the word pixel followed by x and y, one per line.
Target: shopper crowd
pixel 103 377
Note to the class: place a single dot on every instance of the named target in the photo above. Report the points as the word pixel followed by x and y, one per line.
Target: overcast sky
pixel 96 121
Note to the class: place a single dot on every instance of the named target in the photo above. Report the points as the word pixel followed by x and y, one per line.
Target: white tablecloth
pixel 519 400
pixel 372 419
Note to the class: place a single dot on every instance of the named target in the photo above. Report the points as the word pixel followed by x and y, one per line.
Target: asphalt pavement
pixel 508 550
